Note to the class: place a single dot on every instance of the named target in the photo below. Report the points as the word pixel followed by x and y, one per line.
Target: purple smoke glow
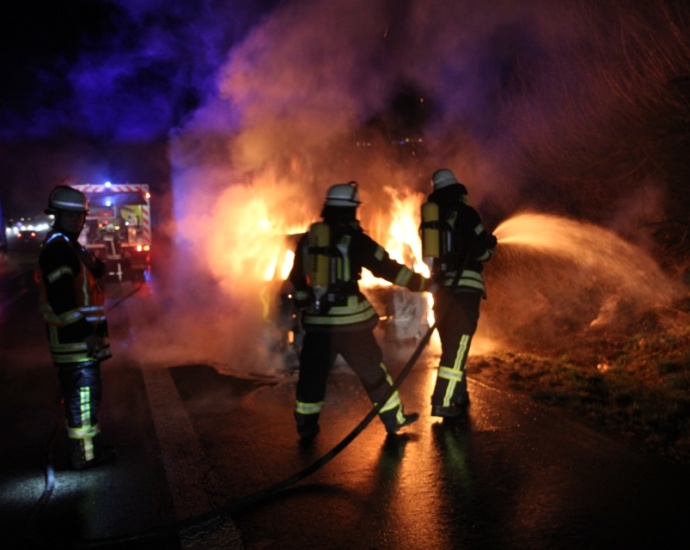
pixel 87 82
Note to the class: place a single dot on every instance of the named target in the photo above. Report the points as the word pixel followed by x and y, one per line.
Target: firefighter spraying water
pixel 456 244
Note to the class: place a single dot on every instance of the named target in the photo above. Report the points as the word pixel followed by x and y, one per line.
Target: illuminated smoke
pixel 561 107
pixel 523 99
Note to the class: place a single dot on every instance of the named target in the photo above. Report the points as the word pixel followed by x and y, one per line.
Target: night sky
pixel 106 81
pixel 119 70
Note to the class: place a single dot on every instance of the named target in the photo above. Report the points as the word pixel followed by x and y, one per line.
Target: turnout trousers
pixel 363 354
pixel 81 392
pixel 457 322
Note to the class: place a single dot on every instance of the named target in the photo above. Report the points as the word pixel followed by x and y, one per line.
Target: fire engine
pixel 118 227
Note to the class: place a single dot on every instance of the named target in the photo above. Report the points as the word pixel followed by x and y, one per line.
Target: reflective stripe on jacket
pixel 470 243
pixel 343 305
pixel 66 340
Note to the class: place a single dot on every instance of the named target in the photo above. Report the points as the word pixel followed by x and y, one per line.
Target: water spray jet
pixel 590 247
pixel 553 278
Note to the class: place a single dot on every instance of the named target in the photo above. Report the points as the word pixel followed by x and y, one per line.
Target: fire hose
pixel 124 298
pixel 233 507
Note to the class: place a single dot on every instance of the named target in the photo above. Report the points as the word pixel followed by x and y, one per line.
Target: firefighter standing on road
pixel 72 305
pixel 454 236
pixel 337 317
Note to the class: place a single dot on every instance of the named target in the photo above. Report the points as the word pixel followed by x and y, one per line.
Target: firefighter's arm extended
pixel 432 286
pixel 377 260
pixel 480 243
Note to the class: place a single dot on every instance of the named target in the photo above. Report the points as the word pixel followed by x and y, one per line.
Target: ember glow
pixel 398 228
pixel 402 239
pixel 250 244
pixel 294 95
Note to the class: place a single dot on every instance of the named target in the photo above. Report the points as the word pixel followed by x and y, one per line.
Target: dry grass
pixel 634 383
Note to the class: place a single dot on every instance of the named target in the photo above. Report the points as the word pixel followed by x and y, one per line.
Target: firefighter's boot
pixel 307 425
pixel 452 411
pixel 461 398
pixel 458 406
pixel 88 451
pixel 395 419
pixel 450 398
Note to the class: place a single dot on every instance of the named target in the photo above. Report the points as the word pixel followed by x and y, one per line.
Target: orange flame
pixel 400 236
pixel 402 239
pixel 251 254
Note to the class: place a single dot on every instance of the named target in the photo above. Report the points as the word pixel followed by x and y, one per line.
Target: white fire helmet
pixel 343 194
pixel 67 198
pixel 443 178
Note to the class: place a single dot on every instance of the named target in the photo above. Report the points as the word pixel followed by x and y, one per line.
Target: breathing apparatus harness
pixel 329 273
pixel 438 246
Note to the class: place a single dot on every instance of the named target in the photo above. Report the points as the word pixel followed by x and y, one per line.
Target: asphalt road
pixel 209 458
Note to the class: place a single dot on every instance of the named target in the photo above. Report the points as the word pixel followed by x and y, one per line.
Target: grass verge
pixel 633 383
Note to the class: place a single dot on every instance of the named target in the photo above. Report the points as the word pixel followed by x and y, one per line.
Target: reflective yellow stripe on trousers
pixel 456 374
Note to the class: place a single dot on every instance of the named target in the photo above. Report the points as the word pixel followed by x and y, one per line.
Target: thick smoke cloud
pixel 533 105
pixel 530 99
pixel 255 108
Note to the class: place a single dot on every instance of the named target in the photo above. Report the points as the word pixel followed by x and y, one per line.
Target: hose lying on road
pixel 229 509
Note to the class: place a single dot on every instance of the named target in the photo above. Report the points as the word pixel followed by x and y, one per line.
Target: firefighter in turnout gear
pixel 456 244
pixel 72 305
pixel 336 316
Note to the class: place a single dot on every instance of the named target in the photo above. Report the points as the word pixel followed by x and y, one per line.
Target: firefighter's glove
pixel 94 264
pixel 99 269
pixel 492 241
pixel 440 292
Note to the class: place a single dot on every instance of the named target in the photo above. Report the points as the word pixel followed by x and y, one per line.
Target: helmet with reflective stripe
pixel 64 197
pixel 343 194
pixel 443 178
